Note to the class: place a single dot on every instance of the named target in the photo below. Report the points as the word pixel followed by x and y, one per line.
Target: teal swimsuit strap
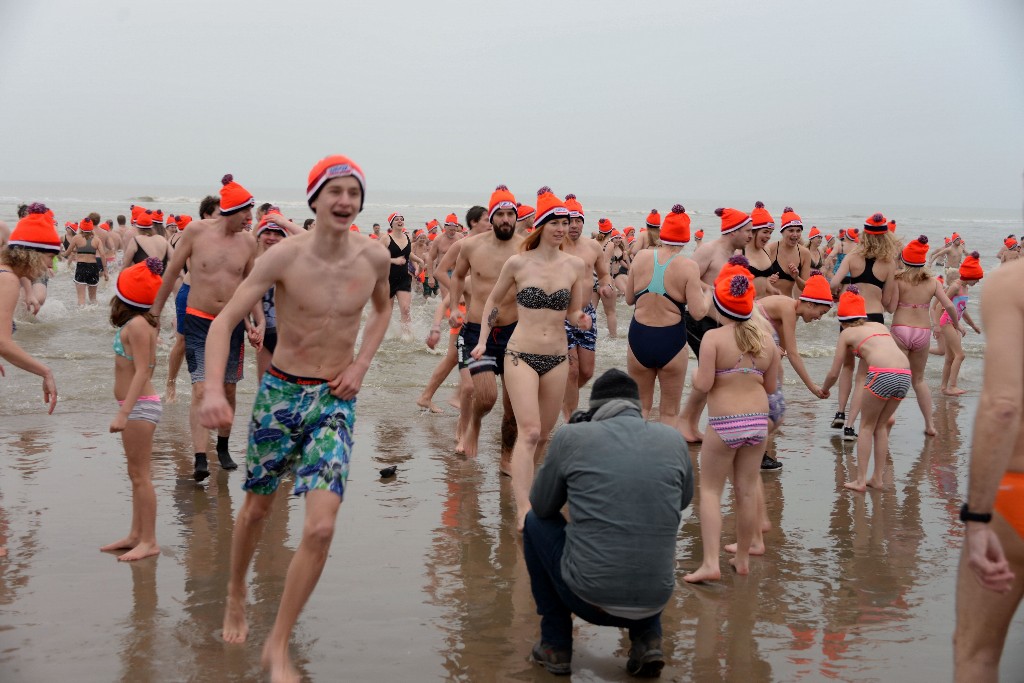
pixel 119 346
pixel 657 284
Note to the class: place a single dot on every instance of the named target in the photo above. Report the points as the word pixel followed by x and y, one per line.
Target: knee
pixel 529 435
pixel 253 513
pixel 318 533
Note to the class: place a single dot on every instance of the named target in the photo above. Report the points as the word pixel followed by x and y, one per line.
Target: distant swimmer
pixel 88 251
pixel 969 274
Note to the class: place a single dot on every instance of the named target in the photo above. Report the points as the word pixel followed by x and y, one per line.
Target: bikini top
pixel 657 283
pixel 141 255
pixel 535 297
pixel 759 272
pixel 399 251
pixel 906 305
pixel 90 246
pixel 776 267
pixel 816 265
pixel 118 346
pixel 856 351
pixel 867 277
pixel 741 370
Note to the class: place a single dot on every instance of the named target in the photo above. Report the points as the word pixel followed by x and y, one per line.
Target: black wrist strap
pixel 967 516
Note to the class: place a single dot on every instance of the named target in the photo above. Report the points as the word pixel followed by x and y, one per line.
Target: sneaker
pixel 770 464
pixel 557 662
pixel 226 462
pixel 645 657
pixel 849 434
pixel 838 421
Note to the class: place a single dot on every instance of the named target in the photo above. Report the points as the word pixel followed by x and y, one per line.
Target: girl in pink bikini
pixel 970 273
pixel 911 324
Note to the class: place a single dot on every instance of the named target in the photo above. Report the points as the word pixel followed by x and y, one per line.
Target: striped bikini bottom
pixel 747 429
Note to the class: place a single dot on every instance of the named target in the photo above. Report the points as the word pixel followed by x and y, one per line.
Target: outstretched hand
pixel 50 393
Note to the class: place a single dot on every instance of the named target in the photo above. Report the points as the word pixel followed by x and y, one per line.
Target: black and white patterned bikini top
pixel 535 297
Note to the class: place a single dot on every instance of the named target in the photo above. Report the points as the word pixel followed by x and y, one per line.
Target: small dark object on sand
pixel 388 472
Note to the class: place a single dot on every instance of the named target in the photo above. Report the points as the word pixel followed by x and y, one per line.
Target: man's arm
pixel 605 288
pixel 447 263
pixel 170 275
pixel 458 281
pixel 549 491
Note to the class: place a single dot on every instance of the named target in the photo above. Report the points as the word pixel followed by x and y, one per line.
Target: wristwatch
pixel 967 516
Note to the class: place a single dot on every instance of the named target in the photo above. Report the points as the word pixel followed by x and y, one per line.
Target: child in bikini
pixel 887 383
pixel 970 274
pixel 134 358
pixel 738 368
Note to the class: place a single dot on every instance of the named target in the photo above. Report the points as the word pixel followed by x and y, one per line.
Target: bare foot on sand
pixel 171 392
pixel 236 628
pixel 691 433
pixel 467 445
pixel 427 404
pixel 929 430
pixel 454 402
pixel 703 574
pixel 876 484
pixel 755 548
pixel 855 486
pixel 742 568
pixel 126 543
pixel 139 552
pixel 278 664
pixel 954 391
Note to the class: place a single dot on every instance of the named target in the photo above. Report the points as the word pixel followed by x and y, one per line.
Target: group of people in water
pixel 519 288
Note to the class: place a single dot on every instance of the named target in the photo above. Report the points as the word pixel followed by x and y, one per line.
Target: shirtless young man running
pixel 438 248
pixel 583 343
pixel 482 257
pixel 305 406
pixel 954 254
pixel 220 253
pixel 990 582
pixel 710 257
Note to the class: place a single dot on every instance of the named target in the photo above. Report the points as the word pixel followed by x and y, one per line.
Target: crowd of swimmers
pixel 519 288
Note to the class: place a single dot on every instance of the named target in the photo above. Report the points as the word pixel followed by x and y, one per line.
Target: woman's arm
pixel 506 279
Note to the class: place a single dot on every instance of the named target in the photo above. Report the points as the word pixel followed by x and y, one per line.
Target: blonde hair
pixel 750 337
pixel 26 262
pixel 914 275
pixel 879 247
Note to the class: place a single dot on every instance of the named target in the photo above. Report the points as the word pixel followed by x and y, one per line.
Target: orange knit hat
pixel 451 219
pixel 158 217
pixel 1010 243
pixel 853 234
pixel 892 225
pixel 548 207
pixel 183 221
pixel 629 230
pixel 605 226
pixel 675 231
pixel 760 217
pixel 86 225
pixel 35 231
pixel 136 212
pixel 817 290
pixel 393 216
pixel 876 225
pixel 734 289
pixel 851 305
pixel 956 236
pixel 842 233
pixel 915 254
pixel 501 198
pixel 732 219
pixel 328 168
pixel 524 211
pixel 353 228
pixel 790 219
pixel 654 219
pixel 813 233
pixel 145 219
pixel 433 225
pixel 172 220
pixel 72 226
pixel 699 234
pixel 574 206
pixel 137 285
pixel 970 269
pixel 233 197
pixel 267 223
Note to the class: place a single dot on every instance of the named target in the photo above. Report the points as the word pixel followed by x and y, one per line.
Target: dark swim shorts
pixel 196 328
pixel 493 359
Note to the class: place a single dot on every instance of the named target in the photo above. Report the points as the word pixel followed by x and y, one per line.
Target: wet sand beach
pixel 426 579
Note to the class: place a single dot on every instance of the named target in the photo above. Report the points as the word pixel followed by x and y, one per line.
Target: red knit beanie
pixel 876 225
pixel 734 289
pixel 328 168
pixel 158 217
pixel 853 234
pixel 145 220
pixel 732 219
pixel 970 269
pixel 137 285
pixel 892 225
pixel 605 226
pixel 675 231
pixel 35 231
pixel 817 290
pixel 916 252
pixel 760 217
pixel 451 219
pixel 524 211
pixel 851 305
pixel 654 219
pixel 233 197
pixel 574 206
pixel 813 233
pixel 183 221
pixel 501 198
pixel 548 207
pixel 86 225
pixel 790 219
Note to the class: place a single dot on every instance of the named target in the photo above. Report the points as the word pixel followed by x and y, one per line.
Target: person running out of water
pixel 738 368
pixel 791 261
pixel 134 360
pixel 398 244
pixel 952 255
pixel 969 274
pixel 583 343
pixel 614 253
pixel 549 287
pixel 438 248
pixel 304 411
pixel 656 352
pixel 30 250
pixel 990 580
pixel 481 257
pixel 710 258
pixel 220 253
pixel 886 384
pixel 872 267
pixel 911 324
pixel 88 251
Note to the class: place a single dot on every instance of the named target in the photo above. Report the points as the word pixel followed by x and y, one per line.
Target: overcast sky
pixel 910 102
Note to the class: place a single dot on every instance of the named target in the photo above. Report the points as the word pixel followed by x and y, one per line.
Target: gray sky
pixel 911 102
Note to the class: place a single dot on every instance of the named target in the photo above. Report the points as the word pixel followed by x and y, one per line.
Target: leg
pixel 846 381
pixel 223 455
pixel 200 435
pixel 954 359
pixel 869 420
pixel 92 294
pixel 671 379
pixel 746 479
pixel 405 309
pixel 303 574
pixel 609 311
pixel 543 543
pixel 881 442
pixel 523 387
pixel 757 544
pixel 571 399
pixel 644 378
pixel 918 363
pixel 552 389
pixel 858 393
pixel 465 409
pixel 485 394
pixel 174 358
pixel 509 430
pixel 441 372
pixel 137 439
pixel 716 462
pixel 248 527
pixel 690 417
pixel 80 291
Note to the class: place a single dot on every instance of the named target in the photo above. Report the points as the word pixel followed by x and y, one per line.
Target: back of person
pixel 739 375
pixel 659 271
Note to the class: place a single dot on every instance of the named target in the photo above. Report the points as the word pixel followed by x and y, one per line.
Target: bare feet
pixel 742 568
pixel 454 401
pixel 171 392
pixel 427 404
pixel 855 486
pixel 139 552
pixel 930 430
pixel 691 433
pixel 468 444
pixel 278 664
pixel 703 574
pixel 876 484
pixel 236 628
pixel 954 391
pixel 755 548
pixel 126 543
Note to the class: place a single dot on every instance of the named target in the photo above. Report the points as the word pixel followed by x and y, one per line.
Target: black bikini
pixel 140 254
pixel 867 277
pixel 757 272
pixel 776 267
pixel 537 298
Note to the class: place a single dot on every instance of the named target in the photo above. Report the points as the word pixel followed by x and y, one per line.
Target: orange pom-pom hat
pixel 501 198
pixel 915 254
pixel 851 305
pixel 451 219
pixel 732 219
pixel 233 197
pixel 675 230
pixel 605 226
pixel 35 231
pixel 790 219
pixel 328 168
pixel 574 206
pixel 524 211
pixel 734 289
pixel 876 225
pixel 549 206
pixel 145 220
pixel 137 285
pixel 971 269
pixel 86 225
pixel 761 219
pixel 817 290
pixel 654 219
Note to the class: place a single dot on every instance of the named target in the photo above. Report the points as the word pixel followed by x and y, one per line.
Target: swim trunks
pixel 180 304
pixel 1010 500
pixel 585 339
pixel 298 425
pixel 196 327
pixel 87 274
pixel 493 358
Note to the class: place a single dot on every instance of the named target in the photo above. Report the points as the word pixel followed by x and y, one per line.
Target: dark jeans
pixel 543 542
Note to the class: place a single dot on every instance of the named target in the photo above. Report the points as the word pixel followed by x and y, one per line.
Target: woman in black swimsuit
pixel 551 286
pixel 791 261
pixel 146 243
pixel 400 279
pixel 760 262
pixel 814 246
pixel 87 250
